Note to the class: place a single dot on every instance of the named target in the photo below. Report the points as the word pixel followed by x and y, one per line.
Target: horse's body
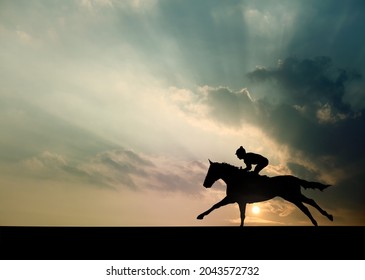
pixel 244 187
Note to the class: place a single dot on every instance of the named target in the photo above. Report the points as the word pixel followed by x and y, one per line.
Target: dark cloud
pixel 311 82
pixel 312 115
pixel 309 115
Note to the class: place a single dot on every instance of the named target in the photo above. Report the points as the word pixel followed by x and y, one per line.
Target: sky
pixel 110 110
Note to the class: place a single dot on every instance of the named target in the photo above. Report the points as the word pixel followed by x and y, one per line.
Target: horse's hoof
pixel 330 217
pixel 200 217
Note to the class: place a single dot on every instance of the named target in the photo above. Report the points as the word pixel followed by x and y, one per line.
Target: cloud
pixel 277 206
pixel 308 82
pixel 46 160
pixel 128 169
pixel 121 168
pixel 220 104
pixel 312 109
pixel 310 103
pixel 303 107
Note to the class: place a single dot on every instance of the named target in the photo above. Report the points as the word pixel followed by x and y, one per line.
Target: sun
pixel 255 210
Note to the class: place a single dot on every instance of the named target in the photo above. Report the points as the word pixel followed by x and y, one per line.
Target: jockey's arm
pixel 248 166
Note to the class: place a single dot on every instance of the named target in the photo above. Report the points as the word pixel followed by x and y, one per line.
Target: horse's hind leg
pixel 221 203
pixel 315 205
pixel 305 210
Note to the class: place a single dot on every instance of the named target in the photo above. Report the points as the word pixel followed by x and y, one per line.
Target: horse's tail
pixel 313 185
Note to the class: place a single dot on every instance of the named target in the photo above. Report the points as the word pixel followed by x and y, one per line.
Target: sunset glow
pixel 255 210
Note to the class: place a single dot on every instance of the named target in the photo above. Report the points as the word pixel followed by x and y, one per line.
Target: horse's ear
pixel 210 161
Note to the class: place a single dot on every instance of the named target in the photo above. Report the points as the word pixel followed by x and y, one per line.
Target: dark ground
pixel 182 243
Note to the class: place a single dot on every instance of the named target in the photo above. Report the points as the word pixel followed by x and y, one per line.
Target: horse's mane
pixel 229 167
pixel 236 171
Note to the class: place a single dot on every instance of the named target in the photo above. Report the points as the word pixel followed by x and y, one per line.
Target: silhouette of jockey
pixel 251 158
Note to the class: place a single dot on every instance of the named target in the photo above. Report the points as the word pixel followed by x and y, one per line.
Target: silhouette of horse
pixel 244 187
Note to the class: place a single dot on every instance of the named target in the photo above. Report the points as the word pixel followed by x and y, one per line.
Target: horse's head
pixel 213 174
pixel 228 173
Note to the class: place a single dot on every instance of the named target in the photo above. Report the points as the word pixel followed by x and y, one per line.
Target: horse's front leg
pixel 221 203
pixel 242 206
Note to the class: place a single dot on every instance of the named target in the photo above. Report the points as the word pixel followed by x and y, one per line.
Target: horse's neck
pixel 238 179
pixel 232 178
